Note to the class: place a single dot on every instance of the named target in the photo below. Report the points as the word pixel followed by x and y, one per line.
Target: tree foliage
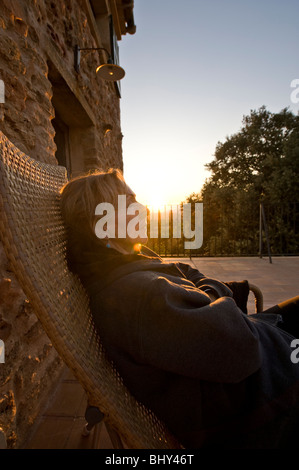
pixel 261 159
pixel 258 163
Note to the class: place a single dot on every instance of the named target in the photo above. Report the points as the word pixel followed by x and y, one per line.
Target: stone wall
pixel 37 39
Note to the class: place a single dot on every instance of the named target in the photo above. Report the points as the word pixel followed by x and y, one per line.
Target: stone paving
pixel 278 281
pixel 60 425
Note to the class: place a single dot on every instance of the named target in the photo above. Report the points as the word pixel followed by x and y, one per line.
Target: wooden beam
pixel 115 17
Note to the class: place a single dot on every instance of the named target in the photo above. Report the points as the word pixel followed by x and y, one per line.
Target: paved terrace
pixel 60 424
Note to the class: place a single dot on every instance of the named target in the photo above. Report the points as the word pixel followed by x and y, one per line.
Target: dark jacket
pixel 215 376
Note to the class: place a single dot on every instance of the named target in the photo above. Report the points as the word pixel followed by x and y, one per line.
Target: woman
pixel 215 376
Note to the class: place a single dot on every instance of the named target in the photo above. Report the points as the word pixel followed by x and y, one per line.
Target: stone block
pixel 3 443
pixel 36 36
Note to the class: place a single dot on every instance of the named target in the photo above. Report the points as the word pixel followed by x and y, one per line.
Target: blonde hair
pixel 80 196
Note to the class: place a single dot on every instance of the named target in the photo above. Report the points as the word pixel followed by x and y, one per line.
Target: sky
pixel 194 68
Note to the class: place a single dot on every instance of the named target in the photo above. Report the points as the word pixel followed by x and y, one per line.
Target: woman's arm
pixel 212 287
pixel 183 332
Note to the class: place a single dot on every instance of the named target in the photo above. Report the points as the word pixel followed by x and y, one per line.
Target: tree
pixel 262 158
pixel 259 162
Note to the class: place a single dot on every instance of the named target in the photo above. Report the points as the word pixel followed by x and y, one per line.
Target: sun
pixel 156 203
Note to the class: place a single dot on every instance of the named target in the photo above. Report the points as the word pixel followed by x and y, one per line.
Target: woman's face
pixel 126 213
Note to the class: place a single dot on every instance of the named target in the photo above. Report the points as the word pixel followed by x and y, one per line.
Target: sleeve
pixel 212 287
pixel 192 274
pixel 240 290
pixel 182 332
